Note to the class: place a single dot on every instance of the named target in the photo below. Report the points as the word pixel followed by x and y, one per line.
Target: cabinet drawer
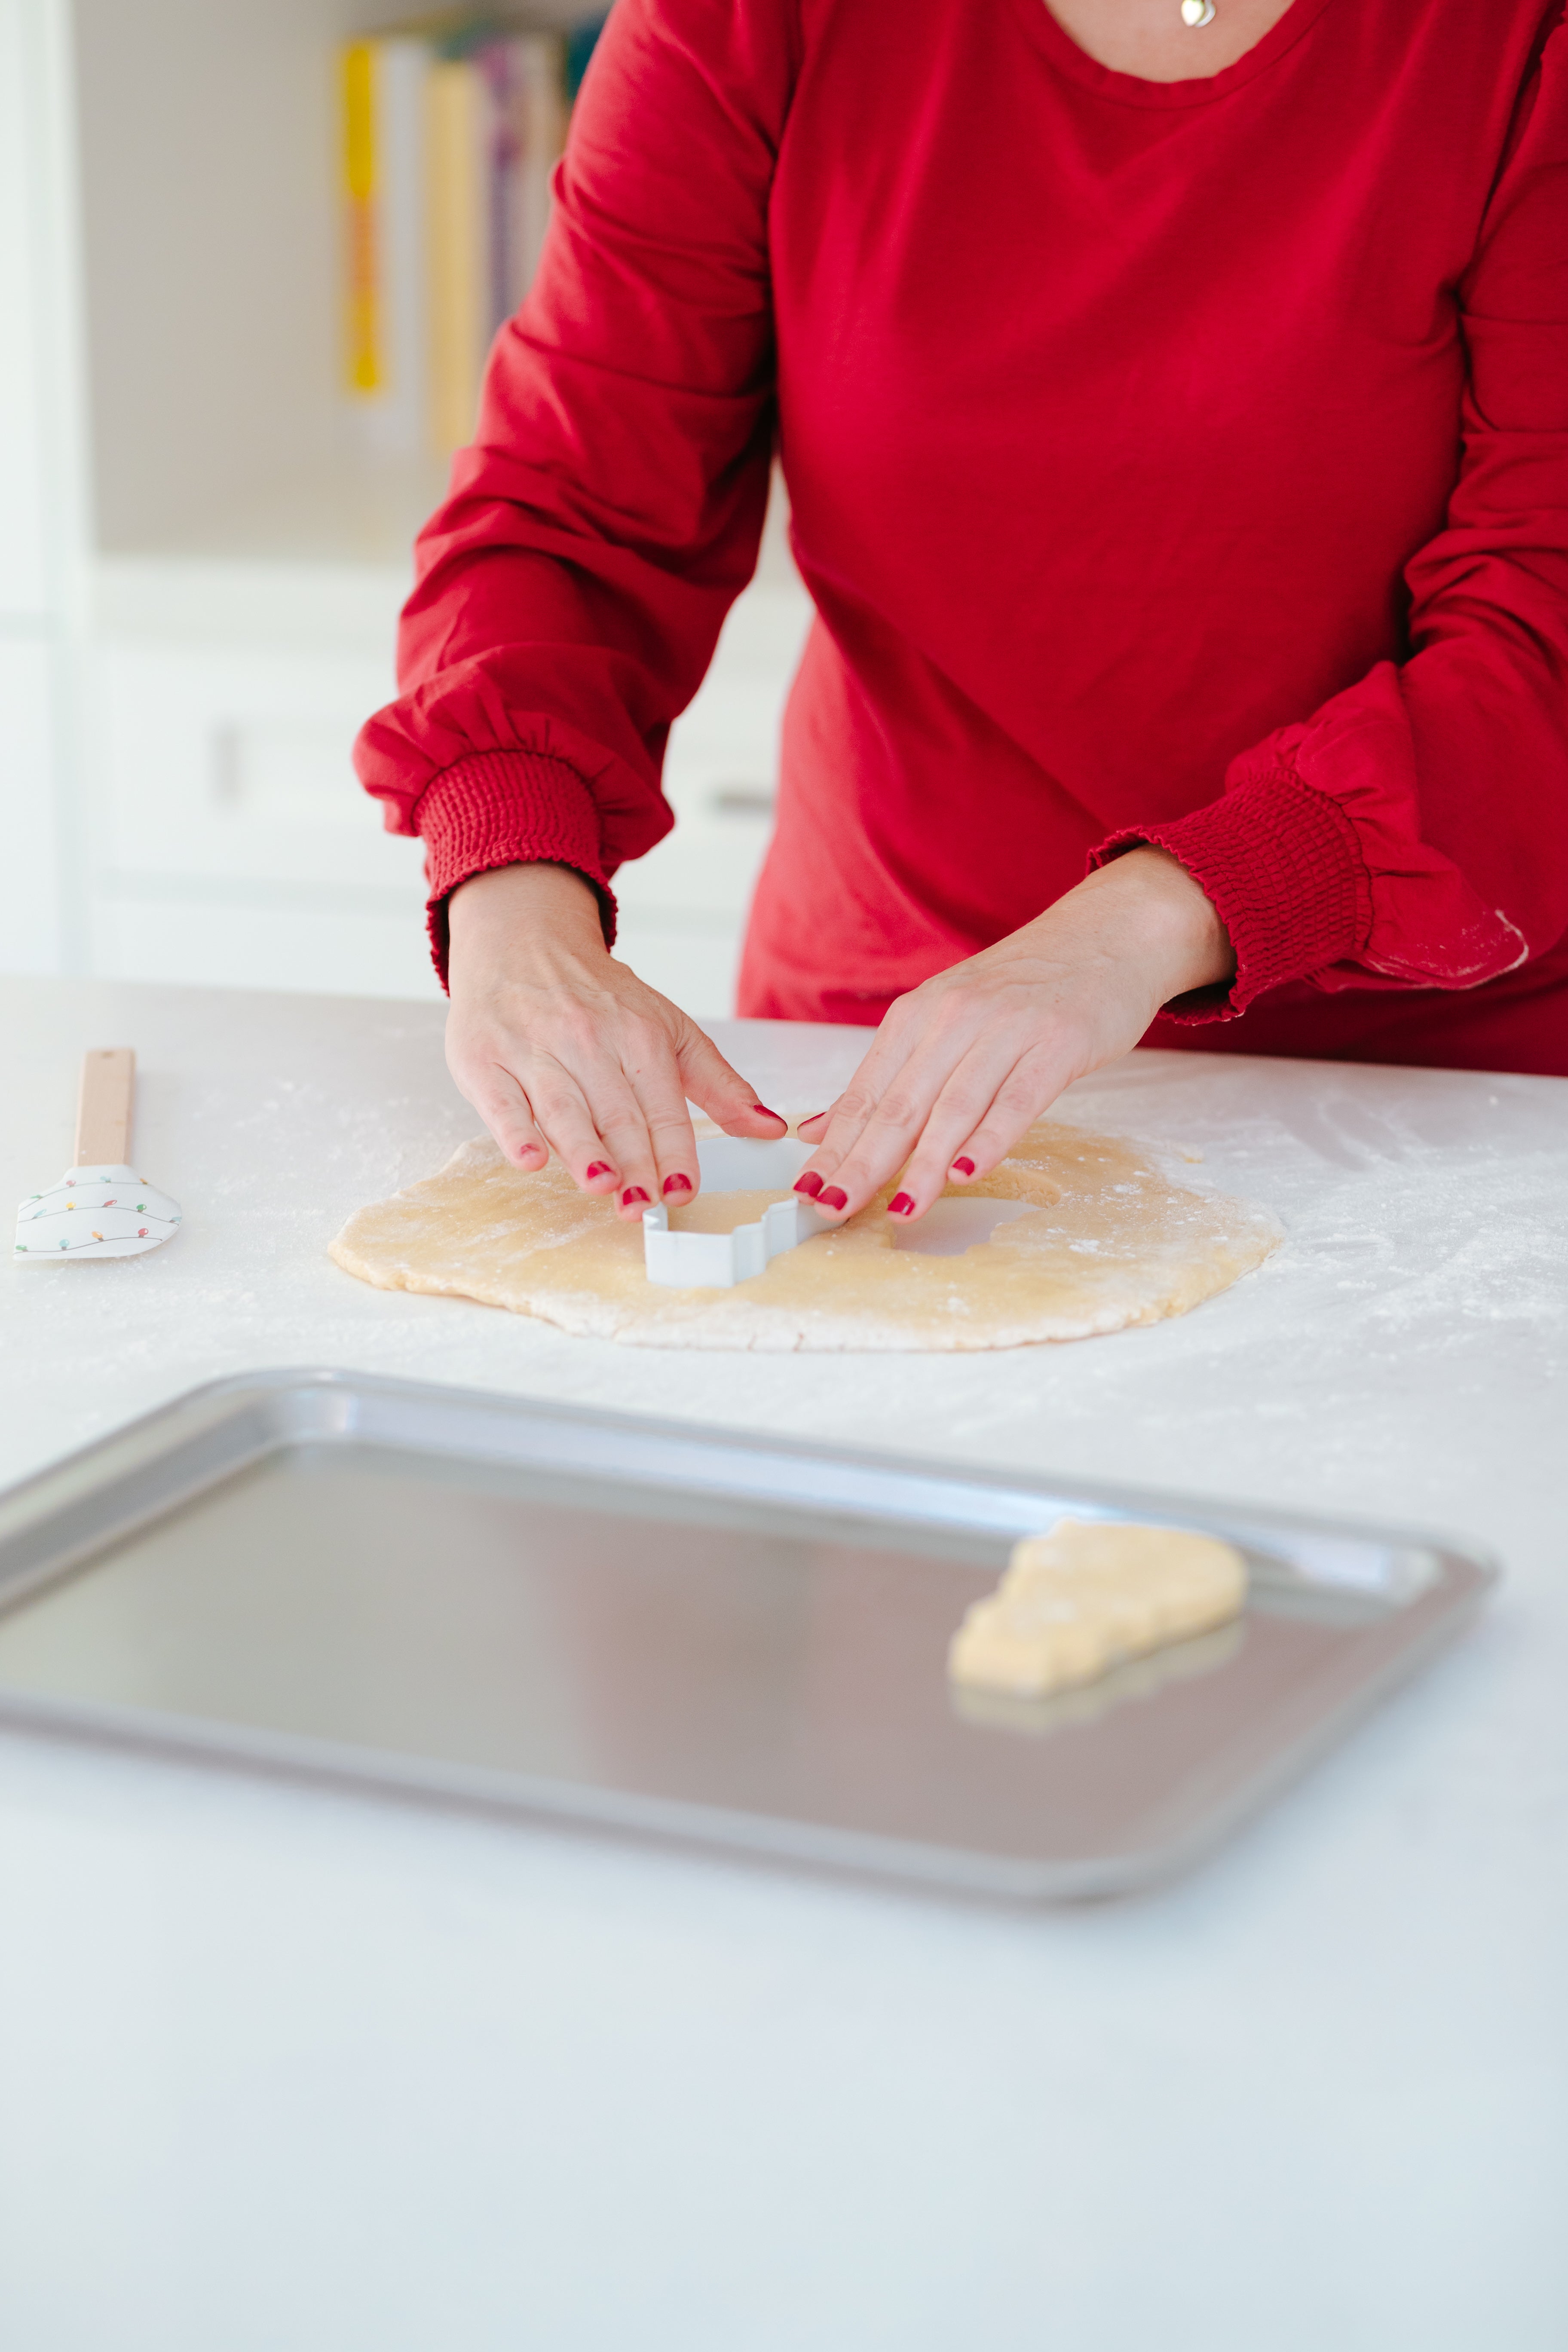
pixel 234 764
pixel 238 764
pixel 205 940
pixel 209 938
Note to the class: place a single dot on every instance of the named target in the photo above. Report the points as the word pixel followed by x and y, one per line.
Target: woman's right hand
pixel 558 1046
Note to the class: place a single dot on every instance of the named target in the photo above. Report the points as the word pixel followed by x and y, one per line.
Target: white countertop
pixel 285 2068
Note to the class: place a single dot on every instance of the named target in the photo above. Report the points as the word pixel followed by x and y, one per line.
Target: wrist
pixel 1175 926
pixel 512 909
pixel 538 892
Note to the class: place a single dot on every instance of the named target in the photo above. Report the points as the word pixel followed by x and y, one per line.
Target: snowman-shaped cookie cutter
pixel 730 1164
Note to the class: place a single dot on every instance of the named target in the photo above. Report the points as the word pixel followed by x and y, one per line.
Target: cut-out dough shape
pixel 1089 1596
pixel 1108 1241
pixel 1074 1706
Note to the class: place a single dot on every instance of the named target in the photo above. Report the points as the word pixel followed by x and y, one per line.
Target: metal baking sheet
pixel 671 1630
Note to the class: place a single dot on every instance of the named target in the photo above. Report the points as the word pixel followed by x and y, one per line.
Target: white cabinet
pixel 226 838
pixel 235 766
pixel 158 932
pixel 229 839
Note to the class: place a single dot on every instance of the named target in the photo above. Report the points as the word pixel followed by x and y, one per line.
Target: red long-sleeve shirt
pixel 1184 463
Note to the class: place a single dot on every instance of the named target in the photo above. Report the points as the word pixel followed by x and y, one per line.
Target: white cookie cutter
pixel 730 1163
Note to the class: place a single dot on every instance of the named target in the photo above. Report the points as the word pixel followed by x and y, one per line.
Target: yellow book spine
pixel 459 243
pixel 363 362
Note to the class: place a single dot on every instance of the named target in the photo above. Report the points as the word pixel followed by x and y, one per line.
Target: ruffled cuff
pixel 507 808
pixel 1282 868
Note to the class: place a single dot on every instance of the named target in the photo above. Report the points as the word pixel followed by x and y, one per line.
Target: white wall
pixel 23 563
pixel 30 913
pixel 39 486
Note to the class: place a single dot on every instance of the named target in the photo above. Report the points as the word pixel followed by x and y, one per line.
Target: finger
pixel 839 1128
pixel 618 1116
pixel 986 1077
pixel 708 1081
pixel 649 1061
pixel 810 1177
pixel 504 1108
pixel 660 1092
pixel 1023 1096
pixel 880 1150
pixel 891 1132
pixel 973 1096
pixel 564 1119
pixel 524 1133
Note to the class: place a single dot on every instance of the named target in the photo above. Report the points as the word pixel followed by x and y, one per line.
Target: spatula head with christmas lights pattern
pixel 100 1207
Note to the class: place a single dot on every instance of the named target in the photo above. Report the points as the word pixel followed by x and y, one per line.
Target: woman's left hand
pixel 964 1064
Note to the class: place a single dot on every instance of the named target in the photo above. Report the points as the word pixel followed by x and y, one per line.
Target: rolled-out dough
pixel 1109 1239
pixel 1090 1595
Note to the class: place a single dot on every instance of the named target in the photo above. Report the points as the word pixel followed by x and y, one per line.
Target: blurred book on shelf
pixel 451 132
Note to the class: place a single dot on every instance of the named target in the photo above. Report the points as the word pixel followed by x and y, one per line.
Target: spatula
pixel 100 1207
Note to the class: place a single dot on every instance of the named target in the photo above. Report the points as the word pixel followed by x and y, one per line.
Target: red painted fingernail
pixel 963 1167
pixel 771 1114
pixel 832 1196
pixel 677 1183
pixel 810 1183
pixel 901 1205
pixel 812 1115
pixel 633 1192
pixel 599 1167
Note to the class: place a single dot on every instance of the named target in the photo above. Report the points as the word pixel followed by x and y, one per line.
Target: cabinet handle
pixel 742 800
pixel 224 764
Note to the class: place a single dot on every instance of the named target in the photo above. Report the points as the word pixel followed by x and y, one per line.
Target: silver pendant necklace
pixel 1198 12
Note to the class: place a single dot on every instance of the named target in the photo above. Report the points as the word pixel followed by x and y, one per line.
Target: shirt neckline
pixel 1131 90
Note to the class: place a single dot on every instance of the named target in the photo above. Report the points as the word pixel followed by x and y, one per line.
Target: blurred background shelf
pixel 201 562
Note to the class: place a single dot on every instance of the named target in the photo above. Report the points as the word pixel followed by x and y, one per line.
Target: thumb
pixel 720 1091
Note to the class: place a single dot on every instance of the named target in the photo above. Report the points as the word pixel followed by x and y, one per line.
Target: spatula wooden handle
pixel 103 1107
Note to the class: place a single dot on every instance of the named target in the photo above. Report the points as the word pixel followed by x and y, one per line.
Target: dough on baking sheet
pixel 1036 1715
pixel 1108 1241
pixel 1088 1596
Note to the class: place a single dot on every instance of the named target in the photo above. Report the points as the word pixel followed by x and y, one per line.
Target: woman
pixel 1176 421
